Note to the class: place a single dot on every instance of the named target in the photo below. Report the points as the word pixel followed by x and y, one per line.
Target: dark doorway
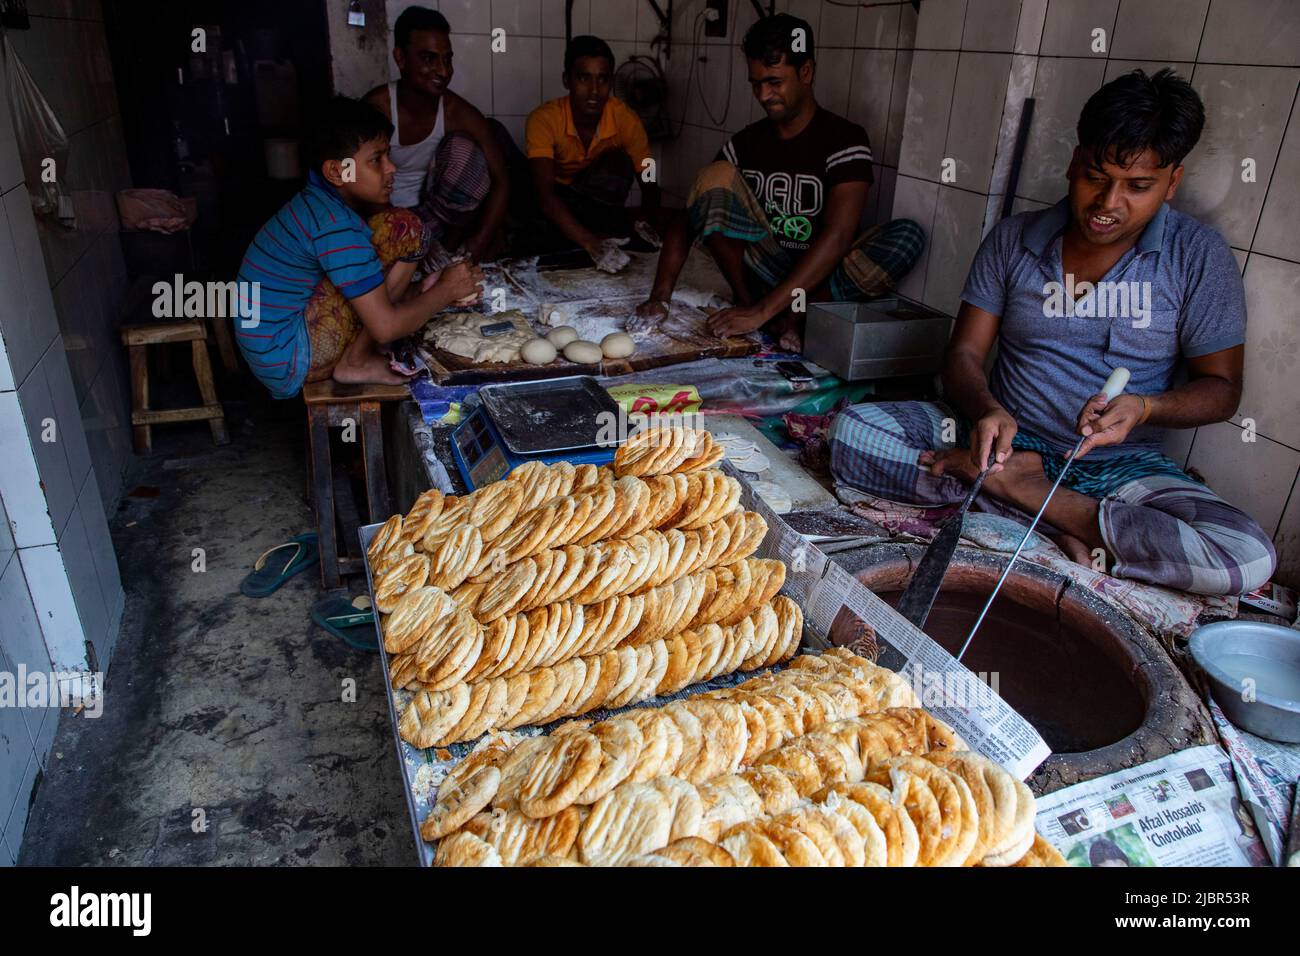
pixel 197 122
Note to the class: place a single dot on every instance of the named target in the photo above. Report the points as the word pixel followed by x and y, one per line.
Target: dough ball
pixel 583 352
pixel 617 345
pixel 562 335
pixel 538 352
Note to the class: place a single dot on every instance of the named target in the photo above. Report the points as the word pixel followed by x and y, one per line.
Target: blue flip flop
pixel 268 575
pixel 350 624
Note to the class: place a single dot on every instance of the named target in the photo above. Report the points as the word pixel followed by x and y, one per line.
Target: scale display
pixel 482 458
pixel 479 456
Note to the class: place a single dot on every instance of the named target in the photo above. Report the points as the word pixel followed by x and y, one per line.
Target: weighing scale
pixel 550 420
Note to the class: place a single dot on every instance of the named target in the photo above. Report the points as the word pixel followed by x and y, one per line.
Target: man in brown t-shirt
pixel 780 207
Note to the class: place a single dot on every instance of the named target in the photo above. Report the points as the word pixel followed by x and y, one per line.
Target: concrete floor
pixel 220 703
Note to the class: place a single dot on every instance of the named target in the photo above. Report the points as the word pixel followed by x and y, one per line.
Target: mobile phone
pixel 795 371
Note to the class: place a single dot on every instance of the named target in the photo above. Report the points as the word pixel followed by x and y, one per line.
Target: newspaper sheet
pixel 838 609
pixel 1266 781
pixel 1180 810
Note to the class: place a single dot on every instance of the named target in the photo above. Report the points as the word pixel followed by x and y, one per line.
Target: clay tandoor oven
pixel 1100 690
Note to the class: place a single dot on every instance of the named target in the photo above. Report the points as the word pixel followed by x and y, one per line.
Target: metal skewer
pixel 1113 387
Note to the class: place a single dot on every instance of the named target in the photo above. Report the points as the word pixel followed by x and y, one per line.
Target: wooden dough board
pixel 806 494
pixel 653 352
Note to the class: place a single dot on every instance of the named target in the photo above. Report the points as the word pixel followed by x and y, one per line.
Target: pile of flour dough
pixel 459 333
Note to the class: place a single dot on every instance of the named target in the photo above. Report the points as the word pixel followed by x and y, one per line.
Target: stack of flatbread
pixel 827 763
pixel 562 589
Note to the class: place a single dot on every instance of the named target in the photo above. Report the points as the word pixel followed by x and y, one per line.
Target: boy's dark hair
pixel 340 129
pixel 1134 112
pixel 417 18
pixel 771 40
pixel 587 45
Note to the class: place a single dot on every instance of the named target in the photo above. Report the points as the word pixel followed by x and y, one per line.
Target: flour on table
pixel 596 318
pixel 777 498
pixel 698 298
pixel 501 293
pixel 591 319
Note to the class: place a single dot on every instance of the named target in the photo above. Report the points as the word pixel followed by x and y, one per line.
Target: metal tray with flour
pixel 558 414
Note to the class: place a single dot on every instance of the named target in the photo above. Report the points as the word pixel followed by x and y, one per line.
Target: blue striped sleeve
pixel 346 254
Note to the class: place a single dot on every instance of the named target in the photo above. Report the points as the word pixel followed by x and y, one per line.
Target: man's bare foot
pixel 371 370
pixel 1021 478
pixel 1023 484
pixel 1074 549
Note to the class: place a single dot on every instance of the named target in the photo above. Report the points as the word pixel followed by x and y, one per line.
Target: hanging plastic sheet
pixel 41 139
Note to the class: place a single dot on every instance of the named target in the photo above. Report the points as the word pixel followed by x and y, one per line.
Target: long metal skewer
pixel 1114 385
pixel 1007 570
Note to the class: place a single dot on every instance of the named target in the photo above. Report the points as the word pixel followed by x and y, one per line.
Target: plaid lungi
pixel 1158 525
pixel 332 323
pixel 455 185
pixel 722 202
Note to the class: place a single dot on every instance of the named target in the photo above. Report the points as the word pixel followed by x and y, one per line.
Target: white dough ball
pixel 617 345
pixel 583 352
pixel 538 352
pixel 562 335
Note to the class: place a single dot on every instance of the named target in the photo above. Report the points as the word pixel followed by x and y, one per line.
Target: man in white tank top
pixel 451 168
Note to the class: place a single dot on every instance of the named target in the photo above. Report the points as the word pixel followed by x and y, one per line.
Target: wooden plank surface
pixel 162 416
pixel 164 332
pixel 330 392
pixel 579 289
pixel 450 369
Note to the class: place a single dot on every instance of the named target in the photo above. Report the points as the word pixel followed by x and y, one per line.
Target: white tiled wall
pixel 63 411
pixel 868 83
pixel 66 52
pixel 1243 56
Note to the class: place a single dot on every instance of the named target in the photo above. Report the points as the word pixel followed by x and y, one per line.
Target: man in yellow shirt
pixel 584 150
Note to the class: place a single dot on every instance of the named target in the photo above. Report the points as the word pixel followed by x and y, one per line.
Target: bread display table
pixel 454 612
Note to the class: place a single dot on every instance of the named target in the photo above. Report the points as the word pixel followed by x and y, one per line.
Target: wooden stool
pixel 331 405
pixel 138 336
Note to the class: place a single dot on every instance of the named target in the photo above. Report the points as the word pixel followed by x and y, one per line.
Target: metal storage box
pixel 882 338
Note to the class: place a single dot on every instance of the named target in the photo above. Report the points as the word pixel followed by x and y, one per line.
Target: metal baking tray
pixel 549 415
pixel 410 759
pixel 882 338
pixel 407 756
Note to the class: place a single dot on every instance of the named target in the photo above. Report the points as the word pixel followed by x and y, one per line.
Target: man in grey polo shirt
pixel 1108 277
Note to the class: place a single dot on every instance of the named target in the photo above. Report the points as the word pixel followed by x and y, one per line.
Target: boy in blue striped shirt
pixel 332 288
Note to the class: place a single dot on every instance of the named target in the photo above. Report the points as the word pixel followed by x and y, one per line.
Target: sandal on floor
pixel 353 624
pixel 269 573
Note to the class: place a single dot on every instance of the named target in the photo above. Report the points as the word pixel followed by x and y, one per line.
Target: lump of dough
pixel 562 335
pixel 617 345
pixel 538 352
pixel 582 352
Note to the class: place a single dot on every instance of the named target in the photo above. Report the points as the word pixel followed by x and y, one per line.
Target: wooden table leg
pixel 140 397
pixel 372 451
pixel 323 479
pixel 208 391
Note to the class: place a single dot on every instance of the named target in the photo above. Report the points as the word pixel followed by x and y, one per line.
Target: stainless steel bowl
pixel 1268 715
